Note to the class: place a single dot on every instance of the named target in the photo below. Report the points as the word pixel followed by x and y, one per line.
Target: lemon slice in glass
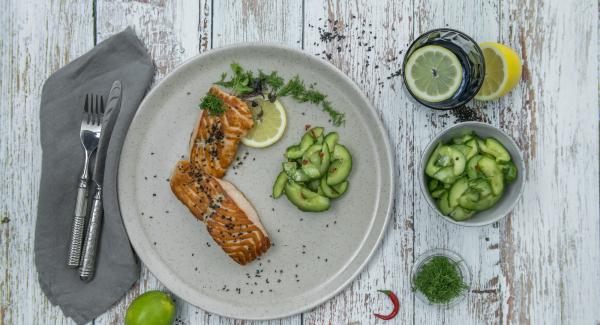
pixel 433 73
pixel 269 123
pixel 502 71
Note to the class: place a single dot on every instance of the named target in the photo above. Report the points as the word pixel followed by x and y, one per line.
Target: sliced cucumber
pixel 473 144
pixel 445 175
pixel 490 168
pixel 437 193
pixel 334 191
pixel 291 169
pixel 279 185
pixel 457 190
pixel 463 139
pixel 320 139
pixel 444 161
pixel 510 171
pixel 471 195
pixel 296 151
pixel 341 165
pixel 311 170
pixel 496 149
pixel 325 156
pixel 458 159
pixel 433 184
pixel 315 132
pixel 472 168
pixel 460 214
pixel 467 150
pixel 311 161
pixel 432 167
pixel 481 186
pixel 480 204
pixel 444 205
pixel 314 185
pixel 332 139
pixel 305 199
pixel 341 187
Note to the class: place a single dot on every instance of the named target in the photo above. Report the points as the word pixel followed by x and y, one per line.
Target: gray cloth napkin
pixel 121 57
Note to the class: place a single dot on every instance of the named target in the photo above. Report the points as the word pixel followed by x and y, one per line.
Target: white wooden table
pixel 540 265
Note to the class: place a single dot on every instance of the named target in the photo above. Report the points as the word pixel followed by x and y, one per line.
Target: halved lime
pixel 269 123
pixel 433 73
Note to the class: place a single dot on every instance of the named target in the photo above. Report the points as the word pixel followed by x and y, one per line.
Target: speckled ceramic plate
pixel 314 256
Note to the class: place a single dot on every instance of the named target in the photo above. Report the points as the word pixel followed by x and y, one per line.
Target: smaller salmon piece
pixel 215 139
pixel 229 217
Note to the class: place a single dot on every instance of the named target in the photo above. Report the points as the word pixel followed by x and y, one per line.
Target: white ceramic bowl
pixel 512 191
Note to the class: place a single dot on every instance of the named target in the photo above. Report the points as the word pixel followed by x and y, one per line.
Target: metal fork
pixel 90 135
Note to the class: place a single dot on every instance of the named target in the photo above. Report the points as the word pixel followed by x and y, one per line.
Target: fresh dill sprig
pixel 337 118
pixel 213 104
pixel 273 80
pixel 439 280
pixel 294 87
pixel 244 84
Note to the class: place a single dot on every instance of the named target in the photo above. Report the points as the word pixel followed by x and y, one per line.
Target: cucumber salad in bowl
pixel 468 175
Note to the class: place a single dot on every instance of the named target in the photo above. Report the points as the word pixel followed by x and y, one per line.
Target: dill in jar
pixel 439 280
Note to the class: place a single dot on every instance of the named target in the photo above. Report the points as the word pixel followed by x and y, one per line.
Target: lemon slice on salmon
pixel 269 123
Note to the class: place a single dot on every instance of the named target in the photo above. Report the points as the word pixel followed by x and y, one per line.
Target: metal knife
pixel 113 106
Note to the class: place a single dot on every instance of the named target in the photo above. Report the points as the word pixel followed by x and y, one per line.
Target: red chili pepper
pixel 304 162
pixel 321 154
pixel 396 303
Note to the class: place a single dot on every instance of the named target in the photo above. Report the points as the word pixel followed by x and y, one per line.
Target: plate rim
pixel 388 209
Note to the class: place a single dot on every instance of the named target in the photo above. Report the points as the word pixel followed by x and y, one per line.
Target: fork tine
pixel 101 105
pixel 91 109
pixel 96 112
pixel 88 109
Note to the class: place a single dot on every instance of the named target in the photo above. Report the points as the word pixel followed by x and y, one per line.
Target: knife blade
pixel 113 106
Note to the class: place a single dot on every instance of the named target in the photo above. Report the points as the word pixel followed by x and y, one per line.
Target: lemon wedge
pixel 502 71
pixel 269 123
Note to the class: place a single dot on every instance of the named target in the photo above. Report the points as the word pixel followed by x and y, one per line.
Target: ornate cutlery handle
pixel 88 262
pixel 78 227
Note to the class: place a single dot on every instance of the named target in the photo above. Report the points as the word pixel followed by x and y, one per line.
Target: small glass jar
pixel 461 266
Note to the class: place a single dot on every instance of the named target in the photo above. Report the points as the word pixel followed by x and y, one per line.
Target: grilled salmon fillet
pixel 230 219
pixel 215 139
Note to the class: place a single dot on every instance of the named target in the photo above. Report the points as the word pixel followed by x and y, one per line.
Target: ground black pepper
pixel 465 114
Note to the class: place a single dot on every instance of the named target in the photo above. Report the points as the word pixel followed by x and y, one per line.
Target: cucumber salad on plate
pixel 315 172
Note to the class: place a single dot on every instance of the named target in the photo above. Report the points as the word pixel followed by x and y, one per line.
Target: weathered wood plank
pixel 256 21
pixel 478 246
pixel 370 36
pixel 36 38
pixel 166 32
pixel 172 31
pixel 550 248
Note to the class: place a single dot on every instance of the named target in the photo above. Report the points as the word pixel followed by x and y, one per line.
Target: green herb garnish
pixel 245 85
pixel 240 82
pixel 439 280
pixel 213 104
pixel 272 80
